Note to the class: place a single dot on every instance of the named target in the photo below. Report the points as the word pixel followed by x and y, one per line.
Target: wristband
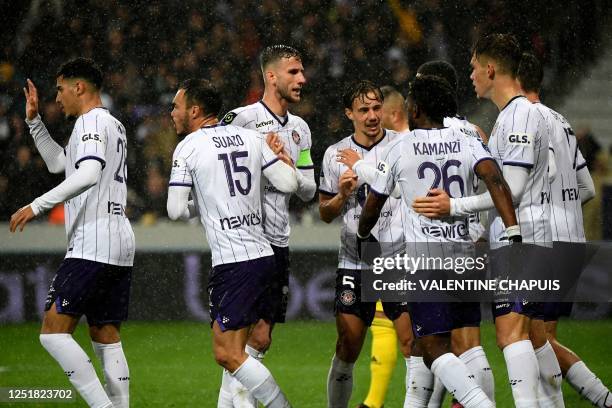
pixel 513 231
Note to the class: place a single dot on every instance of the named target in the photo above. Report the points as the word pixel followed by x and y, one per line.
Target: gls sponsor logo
pixel 239 220
pixel 520 139
pixel 91 136
pixel 262 124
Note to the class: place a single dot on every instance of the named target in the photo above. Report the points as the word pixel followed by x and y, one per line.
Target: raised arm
pixel 51 152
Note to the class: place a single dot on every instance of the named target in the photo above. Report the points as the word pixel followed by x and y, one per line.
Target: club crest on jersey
pixel 296 137
pixel 347 297
pixel 520 139
pixel 229 118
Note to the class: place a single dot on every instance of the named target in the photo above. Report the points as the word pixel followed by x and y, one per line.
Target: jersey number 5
pixel 232 168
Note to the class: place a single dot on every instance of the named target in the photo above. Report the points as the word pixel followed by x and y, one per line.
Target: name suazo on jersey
pixel 96 224
pixel 566 207
pixel 389 228
pixel 520 137
pixel 223 165
pixel 424 159
pixel 296 137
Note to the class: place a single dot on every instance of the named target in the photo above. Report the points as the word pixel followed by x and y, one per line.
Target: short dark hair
pixel 503 48
pixel 530 73
pixel 202 93
pixel 440 69
pixel 273 53
pixel 83 68
pixel 360 89
pixel 434 96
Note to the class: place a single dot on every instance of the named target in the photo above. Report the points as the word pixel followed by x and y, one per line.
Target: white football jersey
pixel 96 224
pixel 424 159
pixel 566 206
pixel 389 227
pixel 520 137
pixel 223 166
pixel 460 123
pixel 295 134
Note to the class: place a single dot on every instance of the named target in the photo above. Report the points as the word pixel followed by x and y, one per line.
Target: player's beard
pixel 184 129
pixel 285 94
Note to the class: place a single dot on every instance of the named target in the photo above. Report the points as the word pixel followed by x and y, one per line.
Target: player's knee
pixel 54 341
pixel 226 359
pixel 260 341
pixel 406 345
pixel 348 348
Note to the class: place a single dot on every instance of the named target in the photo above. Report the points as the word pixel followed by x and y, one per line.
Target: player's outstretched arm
pixel 438 204
pixel 330 206
pixel 586 187
pixel 85 177
pixel 179 206
pixel 307 186
pixel 51 152
pixel 488 171
pixel 282 176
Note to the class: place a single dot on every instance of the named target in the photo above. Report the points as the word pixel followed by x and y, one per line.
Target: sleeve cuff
pixel 34 121
pixel 35 208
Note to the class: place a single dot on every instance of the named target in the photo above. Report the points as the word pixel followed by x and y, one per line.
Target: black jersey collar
pixel 280 122
pixel 371 147
pixel 512 100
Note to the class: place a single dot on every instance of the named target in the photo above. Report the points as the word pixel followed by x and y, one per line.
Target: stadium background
pixel 147 47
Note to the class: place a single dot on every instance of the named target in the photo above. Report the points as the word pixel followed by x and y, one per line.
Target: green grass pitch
pixel 171 363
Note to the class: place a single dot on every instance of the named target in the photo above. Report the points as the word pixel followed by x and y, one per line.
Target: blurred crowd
pixel 146 47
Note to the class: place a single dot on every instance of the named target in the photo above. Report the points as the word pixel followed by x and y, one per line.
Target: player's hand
pixel 348 157
pixel 347 183
pixel 274 142
pixel 31 96
pixel 21 217
pixel 435 205
pixel 284 157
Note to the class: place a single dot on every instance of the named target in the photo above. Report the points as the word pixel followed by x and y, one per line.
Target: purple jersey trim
pixel 270 163
pixel 518 164
pixel 173 184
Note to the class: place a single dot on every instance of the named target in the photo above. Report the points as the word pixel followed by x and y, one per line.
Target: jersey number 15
pixel 230 162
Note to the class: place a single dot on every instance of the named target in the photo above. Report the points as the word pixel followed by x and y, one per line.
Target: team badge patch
pixel 347 297
pixel 229 118
pixel 296 137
